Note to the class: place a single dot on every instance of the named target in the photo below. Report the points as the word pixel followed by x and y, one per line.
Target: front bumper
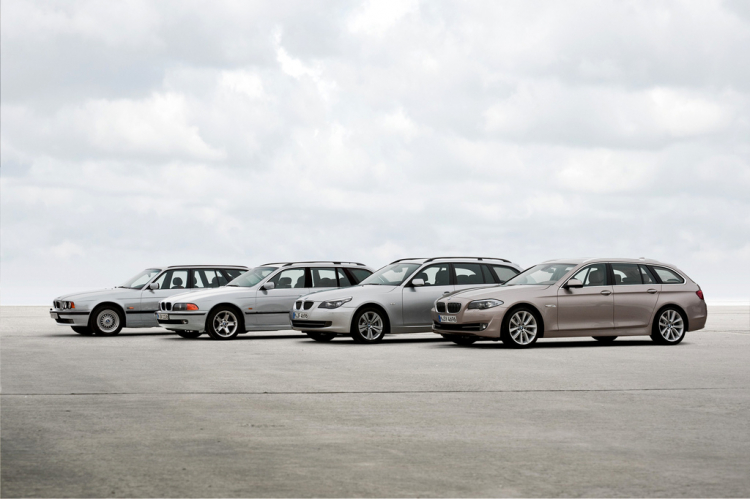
pixel 69 317
pixel 337 320
pixel 482 323
pixel 182 321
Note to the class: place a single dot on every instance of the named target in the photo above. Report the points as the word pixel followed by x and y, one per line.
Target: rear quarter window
pixel 504 273
pixel 667 276
pixel 360 274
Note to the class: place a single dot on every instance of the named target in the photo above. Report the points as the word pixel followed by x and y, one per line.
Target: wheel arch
pixel 376 305
pixel 537 313
pixel 240 314
pixel 112 304
pixel 671 305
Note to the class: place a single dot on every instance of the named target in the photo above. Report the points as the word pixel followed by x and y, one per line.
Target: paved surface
pixel 151 414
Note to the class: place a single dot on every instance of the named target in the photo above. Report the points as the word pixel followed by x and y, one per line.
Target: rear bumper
pixel 69 317
pixel 183 321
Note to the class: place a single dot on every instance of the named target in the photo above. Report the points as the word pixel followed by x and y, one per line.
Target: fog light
pixel 184 321
pixel 483 327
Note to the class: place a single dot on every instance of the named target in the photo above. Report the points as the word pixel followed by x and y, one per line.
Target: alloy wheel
pixel 370 326
pixel 108 321
pixel 523 327
pixel 671 326
pixel 225 324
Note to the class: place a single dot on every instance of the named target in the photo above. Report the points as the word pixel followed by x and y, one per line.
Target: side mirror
pixel 153 285
pixel 267 286
pixel 417 282
pixel 573 283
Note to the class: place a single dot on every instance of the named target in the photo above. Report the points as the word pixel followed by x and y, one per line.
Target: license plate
pixel 54 315
pixel 300 315
pixel 163 317
pixel 448 318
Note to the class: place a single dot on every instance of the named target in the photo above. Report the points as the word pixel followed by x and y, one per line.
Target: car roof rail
pixel 404 259
pixel 480 258
pixel 204 265
pixel 286 264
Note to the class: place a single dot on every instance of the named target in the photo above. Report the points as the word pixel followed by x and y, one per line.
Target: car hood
pixel 353 291
pixel 98 293
pixel 499 292
pixel 209 293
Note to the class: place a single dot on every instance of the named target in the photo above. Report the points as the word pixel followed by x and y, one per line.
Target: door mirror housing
pixel 267 286
pixel 417 282
pixel 573 283
pixel 153 285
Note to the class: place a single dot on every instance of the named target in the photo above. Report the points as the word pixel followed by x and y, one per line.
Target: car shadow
pixel 243 337
pixel 76 335
pixel 557 344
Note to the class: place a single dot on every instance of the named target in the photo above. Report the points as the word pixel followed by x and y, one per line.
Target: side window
pixel 173 279
pixel 435 275
pixel 207 278
pixel 626 274
pixel 221 279
pixel 504 273
pixel 199 280
pixel 667 276
pixel 290 278
pixel 360 274
pixel 646 275
pixel 468 273
pixel 344 281
pixel 323 277
pixel 233 273
pixel 593 275
pixel 488 275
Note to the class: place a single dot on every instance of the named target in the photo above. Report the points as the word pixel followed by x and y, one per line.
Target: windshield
pixel 141 279
pixel 392 275
pixel 544 274
pixel 252 277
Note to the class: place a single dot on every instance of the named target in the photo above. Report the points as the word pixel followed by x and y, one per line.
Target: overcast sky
pixel 151 133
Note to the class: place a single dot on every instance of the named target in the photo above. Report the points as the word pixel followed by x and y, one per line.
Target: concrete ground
pixel 148 413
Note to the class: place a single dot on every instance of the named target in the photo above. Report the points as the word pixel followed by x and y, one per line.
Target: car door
pixel 272 306
pixel 472 275
pixel 590 307
pixel 171 282
pixel 417 300
pixel 635 295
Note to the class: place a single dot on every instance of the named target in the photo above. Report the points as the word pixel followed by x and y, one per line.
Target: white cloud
pixel 136 134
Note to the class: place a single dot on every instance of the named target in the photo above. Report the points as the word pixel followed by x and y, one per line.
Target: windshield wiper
pixel 232 286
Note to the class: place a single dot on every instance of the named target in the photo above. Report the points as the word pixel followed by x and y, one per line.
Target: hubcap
pixel 523 327
pixel 108 320
pixel 225 323
pixel 671 326
pixel 370 326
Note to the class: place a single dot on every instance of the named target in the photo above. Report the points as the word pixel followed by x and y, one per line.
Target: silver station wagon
pixel 600 297
pixel 395 299
pixel 258 300
pixel 105 312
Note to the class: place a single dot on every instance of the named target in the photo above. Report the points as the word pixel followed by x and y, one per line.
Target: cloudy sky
pixel 140 133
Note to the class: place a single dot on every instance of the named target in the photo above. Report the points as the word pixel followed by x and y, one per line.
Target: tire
pixel 605 339
pixel 106 320
pixel 669 327
pixel 521 328
pixel 189 334
pixel 464 341
pixel 84 330
pixel 369 325
pixel 224 323
pixel 322 337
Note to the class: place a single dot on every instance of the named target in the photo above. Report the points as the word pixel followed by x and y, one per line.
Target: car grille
pixel 165 306
pixel 298 305
pixel 311 324
pixel 308 305
pixel 454 308
pixel 440 307
pixel 474 326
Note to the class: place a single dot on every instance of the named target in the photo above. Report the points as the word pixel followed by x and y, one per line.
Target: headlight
pixel 484 304
pixel 334 303
pixel 184 306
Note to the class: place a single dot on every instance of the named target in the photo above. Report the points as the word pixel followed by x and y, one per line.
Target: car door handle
pixel 606 292
pixel 446 292
pixel 652 291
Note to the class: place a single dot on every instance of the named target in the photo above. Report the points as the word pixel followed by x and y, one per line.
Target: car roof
pixel 317 262
pixel 579 260
pixel 436 258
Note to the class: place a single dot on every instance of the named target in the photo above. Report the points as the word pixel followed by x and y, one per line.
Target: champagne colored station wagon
pixel 601 298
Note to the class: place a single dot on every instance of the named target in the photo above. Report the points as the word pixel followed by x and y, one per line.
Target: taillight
pixel 700 294
pixel 192 306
